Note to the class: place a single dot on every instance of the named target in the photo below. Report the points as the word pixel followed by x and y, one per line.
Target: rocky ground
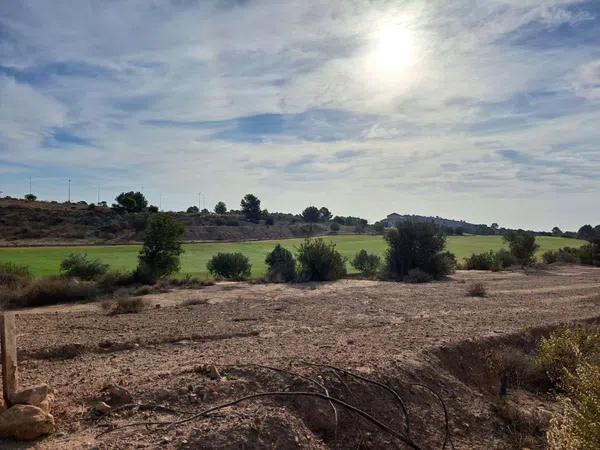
pixel 167 357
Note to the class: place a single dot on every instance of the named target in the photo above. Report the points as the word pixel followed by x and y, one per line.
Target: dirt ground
pixel 386 331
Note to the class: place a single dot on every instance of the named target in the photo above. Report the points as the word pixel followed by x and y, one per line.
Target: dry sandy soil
pixel 391 332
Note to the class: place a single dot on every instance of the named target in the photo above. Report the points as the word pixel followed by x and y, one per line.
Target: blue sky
pixel 487 111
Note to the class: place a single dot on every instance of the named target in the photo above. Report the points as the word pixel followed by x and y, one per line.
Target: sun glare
pixel 394 48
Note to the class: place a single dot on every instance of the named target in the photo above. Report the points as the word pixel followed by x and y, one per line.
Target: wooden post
pixel 8 341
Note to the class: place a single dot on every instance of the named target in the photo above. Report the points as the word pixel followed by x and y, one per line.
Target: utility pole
pixel 69 194
pixel 199 195
pixel 29 185
pixel 98 202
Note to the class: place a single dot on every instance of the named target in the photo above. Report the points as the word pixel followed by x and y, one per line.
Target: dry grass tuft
pixel 130 305
pixel 477 290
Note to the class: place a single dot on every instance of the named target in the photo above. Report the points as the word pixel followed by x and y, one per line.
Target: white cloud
pixel 103 70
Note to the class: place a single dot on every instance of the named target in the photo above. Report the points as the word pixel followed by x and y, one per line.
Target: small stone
pixel 25 422
pixel 102 408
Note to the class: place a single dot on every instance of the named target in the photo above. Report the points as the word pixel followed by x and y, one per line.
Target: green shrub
pixel 49 291
pixel 231 266
pixel 414 245
pixel 483 261
pixel 366 264
pixel 586 254
pixel 281 266
pixel 568 255
pixel 335 227
pixel 80 265
pixel 320 261
pixel 13 276
pixel 550 257
pixel 160 253
pixel 505 258
pixel 269 221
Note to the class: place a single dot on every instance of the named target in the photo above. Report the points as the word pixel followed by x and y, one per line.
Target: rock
pixel 118 395
pixel 25 422
pixel 102 408
pixel 30 396
pixel 39 396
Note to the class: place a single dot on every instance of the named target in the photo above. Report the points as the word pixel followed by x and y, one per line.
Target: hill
pixel 51 223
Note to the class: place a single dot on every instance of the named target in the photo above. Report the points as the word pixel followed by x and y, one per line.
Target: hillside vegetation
pixel 50 223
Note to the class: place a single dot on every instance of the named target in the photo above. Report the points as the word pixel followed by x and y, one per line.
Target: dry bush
pixel 14 276
pixel 477 290
pixel 144 290
pixel 417 275
pixel 576 425
pixel 48 291
pixel 525 428
pixel 187 281
pixel 66 351
pixel 113 280
pixel 565 349
pixel 195 301
pixel 128 306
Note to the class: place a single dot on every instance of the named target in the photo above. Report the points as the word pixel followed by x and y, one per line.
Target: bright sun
pixel 394 48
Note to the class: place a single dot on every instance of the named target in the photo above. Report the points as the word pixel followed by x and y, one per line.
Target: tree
pixel 193 210
pixel 281 266
pixel 522 246
pixel 413 245
pixel 221 208
pixel 557 231
pixel 152 209
pixel 379 227
pixel 251 207
pixel 162 246
pixel 324 214
pixel 586 233
pixel 311 214
pixel 130 202
pixel 30 197
pixel 494 227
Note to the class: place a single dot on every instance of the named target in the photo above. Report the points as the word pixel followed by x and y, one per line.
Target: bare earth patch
pixel 387 331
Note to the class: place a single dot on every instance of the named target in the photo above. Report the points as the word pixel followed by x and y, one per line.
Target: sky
pixel 487 111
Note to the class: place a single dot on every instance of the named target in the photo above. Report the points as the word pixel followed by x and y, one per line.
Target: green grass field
pixel 46 260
